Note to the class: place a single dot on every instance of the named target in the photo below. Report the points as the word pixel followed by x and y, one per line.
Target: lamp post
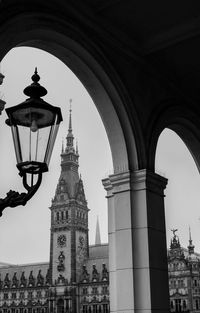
pixel 34 124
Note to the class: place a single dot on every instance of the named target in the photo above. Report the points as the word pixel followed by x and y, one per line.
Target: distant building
pixel 184 276
pixel 76 278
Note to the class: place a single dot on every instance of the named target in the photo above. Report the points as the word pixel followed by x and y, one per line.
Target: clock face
pixel 61 240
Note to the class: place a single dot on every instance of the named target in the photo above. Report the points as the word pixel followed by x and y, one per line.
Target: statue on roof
pixel 40 279
pixel 23 280
pixel 104 272
pixel 84 275
pixel 48 277
pixel 14 280
pixel 6 281
pixel 31 280
pixel 95 274
pixel 174 232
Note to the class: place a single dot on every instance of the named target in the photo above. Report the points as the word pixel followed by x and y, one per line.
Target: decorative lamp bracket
pixel 15 198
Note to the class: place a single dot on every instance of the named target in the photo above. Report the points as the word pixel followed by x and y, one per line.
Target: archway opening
pixel 95 156
pixel 109 96
pixel 176 163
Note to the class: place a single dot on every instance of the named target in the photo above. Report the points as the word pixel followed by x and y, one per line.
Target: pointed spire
pixel 190 237
pixel 70 137
pixel 70 115
pixel 190 246
pixel 98 236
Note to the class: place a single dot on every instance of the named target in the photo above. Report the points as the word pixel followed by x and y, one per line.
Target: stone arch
pixel 184 123
pixel 111 98
pixel 86 61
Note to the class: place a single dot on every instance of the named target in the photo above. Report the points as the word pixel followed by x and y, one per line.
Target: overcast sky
pixel 25 231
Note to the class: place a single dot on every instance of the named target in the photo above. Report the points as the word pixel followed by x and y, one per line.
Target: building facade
pixel 184 277
pixel 76 278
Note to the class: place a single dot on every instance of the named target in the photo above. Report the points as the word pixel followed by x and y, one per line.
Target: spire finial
pixel 98 236
pixel 70 136
pixel 70 115
pixel 191 246
pixel 190 237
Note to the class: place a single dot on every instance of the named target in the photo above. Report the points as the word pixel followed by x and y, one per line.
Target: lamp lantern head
pixel 34 124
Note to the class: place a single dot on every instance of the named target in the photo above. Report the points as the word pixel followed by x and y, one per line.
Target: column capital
pixel 117 183
pixel 147 180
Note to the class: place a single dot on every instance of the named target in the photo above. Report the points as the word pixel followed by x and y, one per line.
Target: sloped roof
pixel 98 251
pixel 98 255
pixel 26 268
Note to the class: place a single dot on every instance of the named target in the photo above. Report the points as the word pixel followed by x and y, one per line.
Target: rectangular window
pixel 84 308
pixel 94 308
pixel 30 295
pixel 94 291
pixel 104 290
pixel 13 295
pixel 84 291
pixel 5 296
pixel 21 295
pixel 105 308
pixel 39 295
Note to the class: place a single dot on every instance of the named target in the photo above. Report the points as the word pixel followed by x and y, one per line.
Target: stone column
pixel 120 243
pixel 137 242
pixel 151 292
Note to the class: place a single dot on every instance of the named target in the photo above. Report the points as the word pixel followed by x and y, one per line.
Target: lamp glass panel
pixel 33 143
pixel 17 145
pixel 52 137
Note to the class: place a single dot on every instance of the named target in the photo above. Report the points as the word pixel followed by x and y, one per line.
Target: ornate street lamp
pixel 34 124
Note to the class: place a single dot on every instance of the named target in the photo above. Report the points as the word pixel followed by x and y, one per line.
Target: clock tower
pixel 69 228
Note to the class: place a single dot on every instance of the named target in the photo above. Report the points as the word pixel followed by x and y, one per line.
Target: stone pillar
pixel 149 242
pixel 137 243
pixel 120 243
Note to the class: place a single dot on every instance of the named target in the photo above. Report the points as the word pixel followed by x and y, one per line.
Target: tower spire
pixel 70 137
pixel 98 236
pixel 70 116
pixel 190 246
